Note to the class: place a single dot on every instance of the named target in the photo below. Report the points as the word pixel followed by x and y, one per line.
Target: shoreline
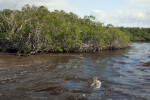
pixel 60 53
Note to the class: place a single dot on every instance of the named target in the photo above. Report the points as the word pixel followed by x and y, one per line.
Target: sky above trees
pixel 129 13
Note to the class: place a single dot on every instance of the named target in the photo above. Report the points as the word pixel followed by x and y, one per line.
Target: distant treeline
pixel 36 29
pixel 137 34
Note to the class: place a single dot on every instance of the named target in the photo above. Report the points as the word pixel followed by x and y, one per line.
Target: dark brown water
pixel 125 75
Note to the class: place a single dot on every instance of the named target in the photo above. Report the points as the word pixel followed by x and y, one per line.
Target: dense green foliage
pixel 36 29
pixel 137 34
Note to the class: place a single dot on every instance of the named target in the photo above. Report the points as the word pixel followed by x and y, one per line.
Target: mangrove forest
pixel 36 29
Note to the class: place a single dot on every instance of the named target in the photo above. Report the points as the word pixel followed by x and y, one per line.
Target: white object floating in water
pixel 95 83
pixel 75 67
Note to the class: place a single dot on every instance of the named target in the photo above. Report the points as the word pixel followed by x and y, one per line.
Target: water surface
pixel 125 75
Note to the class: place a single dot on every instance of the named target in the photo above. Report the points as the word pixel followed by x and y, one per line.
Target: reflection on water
pixel 125 75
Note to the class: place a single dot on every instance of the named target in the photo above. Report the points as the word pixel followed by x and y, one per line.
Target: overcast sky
pixel 129 13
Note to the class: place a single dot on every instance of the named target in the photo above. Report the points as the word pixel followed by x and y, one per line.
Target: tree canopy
pixel 36 29
pixel 136 33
